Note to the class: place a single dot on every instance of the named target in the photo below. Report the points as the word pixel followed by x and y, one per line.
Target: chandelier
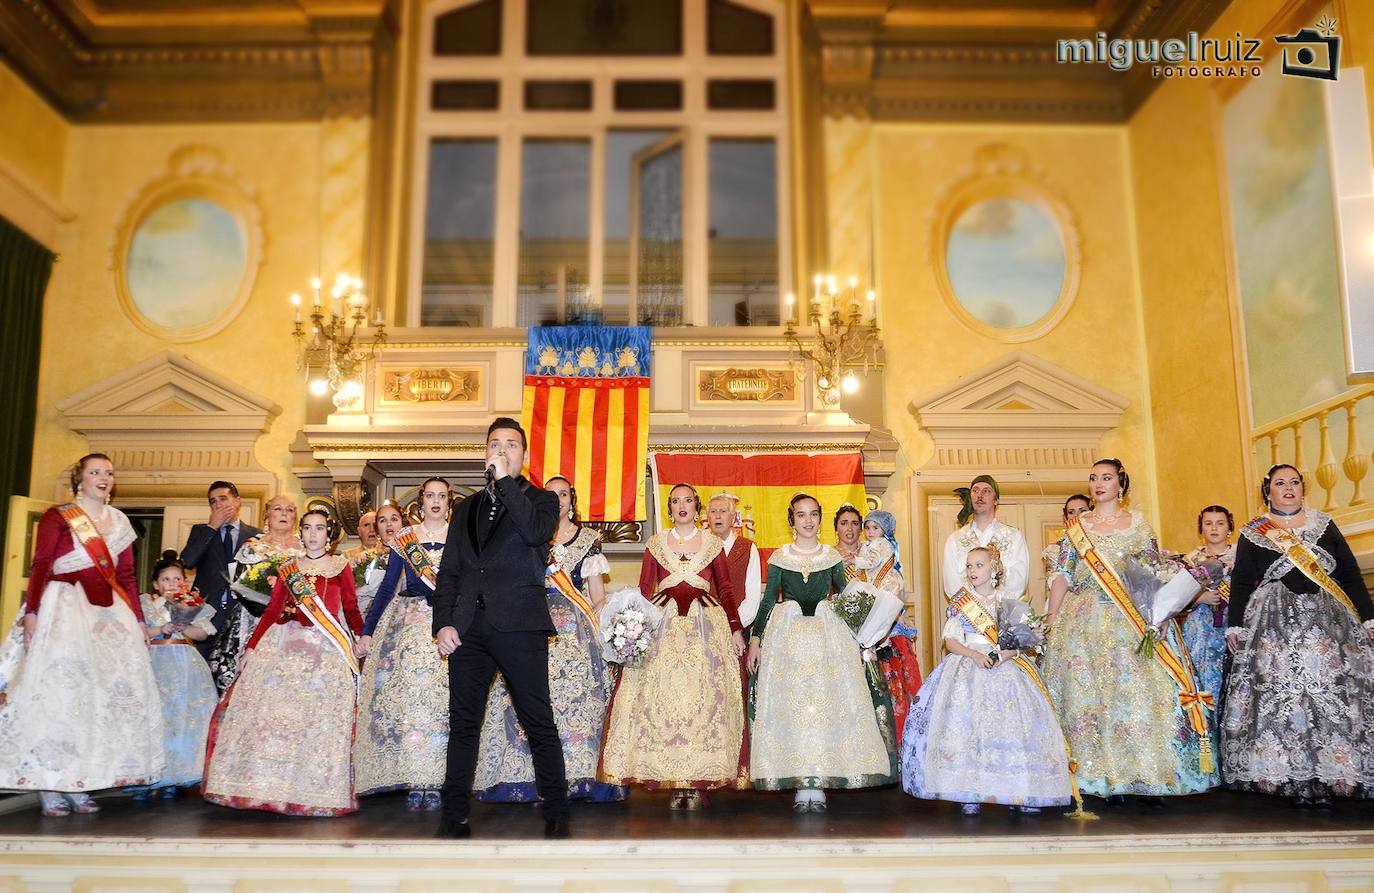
pixel 332 343
pixel 842 333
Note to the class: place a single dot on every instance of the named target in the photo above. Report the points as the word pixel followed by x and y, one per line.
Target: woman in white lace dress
pixel 79 706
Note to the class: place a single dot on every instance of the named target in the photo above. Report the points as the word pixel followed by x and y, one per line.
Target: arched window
pixel 618 158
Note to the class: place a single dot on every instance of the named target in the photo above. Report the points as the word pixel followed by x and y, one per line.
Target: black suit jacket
pixel 507 570
pixel 204 553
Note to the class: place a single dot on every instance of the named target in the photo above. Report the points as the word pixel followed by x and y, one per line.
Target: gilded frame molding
pixel 1002 171
pixel 192 172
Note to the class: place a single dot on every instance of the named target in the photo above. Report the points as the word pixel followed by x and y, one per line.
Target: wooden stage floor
pixel 884 814
pixel 869 842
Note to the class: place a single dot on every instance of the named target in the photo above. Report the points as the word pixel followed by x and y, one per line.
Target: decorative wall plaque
pixel 746 385
pixel 433 385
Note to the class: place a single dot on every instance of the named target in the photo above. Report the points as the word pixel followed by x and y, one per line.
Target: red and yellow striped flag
pixel 765 484
pixel 586 412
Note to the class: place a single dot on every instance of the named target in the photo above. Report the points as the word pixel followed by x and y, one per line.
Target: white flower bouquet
pixel 629 627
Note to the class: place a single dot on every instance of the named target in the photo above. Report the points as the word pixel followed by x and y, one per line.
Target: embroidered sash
pixel 308 602
pixel 558 577
pixel 407 545
pixel 882 572
pixel 95 546
pixel 1195 703
pixel 975 614
pixel 986 625
pixel 1296 551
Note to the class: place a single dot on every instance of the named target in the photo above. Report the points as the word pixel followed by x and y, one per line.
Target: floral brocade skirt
pixel 80 708
pixel 817 720
pixel 980 735
pixel 678 720
pixel 281 738
pixel 580 689
pixel 1119 710
pixel 188 700
pixel 1299 712
pixel 402 703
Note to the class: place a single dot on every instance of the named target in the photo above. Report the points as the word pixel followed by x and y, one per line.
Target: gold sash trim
pixel 982 621
pixel 97 549
pixel 407 545
pixel 882 572
pixel 308 602
pixel 1296 551
pixel 1195 703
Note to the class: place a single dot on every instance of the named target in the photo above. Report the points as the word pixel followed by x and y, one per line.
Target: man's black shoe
pixel 454 829
pixel 557 828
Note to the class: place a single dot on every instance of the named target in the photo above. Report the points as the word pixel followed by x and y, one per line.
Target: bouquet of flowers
pixel 1210 573
pixel 1160 584
pixel 869 612
pixel 629 627
pixel 255 583
pixel 1019 628
pixel 363 563
pixel 184 605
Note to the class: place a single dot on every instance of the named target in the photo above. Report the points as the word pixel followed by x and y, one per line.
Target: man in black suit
pixel 210 551
pixel 490 613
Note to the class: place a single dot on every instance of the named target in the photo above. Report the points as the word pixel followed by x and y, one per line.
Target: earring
pixel 572 513
pixel 107 498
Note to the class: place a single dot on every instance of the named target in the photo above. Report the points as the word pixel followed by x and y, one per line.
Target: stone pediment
pixel 1021 412
pixel 168 390
pixel 171 426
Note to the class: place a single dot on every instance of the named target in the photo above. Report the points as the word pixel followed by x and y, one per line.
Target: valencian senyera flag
pixel 765 483
pixel 586 412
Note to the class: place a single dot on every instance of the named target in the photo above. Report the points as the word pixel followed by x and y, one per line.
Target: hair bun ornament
pixel 170 555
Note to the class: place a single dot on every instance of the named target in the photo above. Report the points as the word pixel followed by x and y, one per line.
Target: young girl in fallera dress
pixel 816 714
pixel 183 679
pixel 281 738
pixel 982 729
pixel 403 698
pixel 1204 626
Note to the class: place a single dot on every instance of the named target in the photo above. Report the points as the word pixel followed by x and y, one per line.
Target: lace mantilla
pixel 120 537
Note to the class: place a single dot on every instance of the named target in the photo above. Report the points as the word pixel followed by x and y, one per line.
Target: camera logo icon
pixel 1312 52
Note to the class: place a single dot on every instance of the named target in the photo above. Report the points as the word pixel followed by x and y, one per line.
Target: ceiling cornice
pixel 299 61
pixel 918 61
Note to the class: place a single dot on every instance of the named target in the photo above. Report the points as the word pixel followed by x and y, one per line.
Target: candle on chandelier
pixel 791 307
pixel 872 305
pixel 296 303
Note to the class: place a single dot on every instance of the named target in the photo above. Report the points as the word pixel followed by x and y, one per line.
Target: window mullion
pixel 596 226
pixel 506 261
pixel 695 216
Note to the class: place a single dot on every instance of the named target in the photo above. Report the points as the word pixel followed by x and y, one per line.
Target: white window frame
pixel 510 126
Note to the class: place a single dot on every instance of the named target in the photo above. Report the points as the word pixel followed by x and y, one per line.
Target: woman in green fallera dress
pixel 816 718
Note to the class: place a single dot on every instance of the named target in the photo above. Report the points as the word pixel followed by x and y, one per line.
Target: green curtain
pixel 25 267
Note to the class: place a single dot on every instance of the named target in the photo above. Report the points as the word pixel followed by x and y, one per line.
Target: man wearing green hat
pixel 978 526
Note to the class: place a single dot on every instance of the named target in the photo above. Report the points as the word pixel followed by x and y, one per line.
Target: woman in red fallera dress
pixel 281 739
pixel 79 705
pixel 678 721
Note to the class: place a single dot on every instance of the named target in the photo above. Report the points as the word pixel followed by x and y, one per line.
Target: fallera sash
pixel 1296 551
pixel 307 602
pixel 407 545
pixel 560 579
pixel 1195 703
pixel 95 546
pixel 982 621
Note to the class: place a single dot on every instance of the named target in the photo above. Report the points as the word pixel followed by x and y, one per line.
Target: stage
pixel 868 841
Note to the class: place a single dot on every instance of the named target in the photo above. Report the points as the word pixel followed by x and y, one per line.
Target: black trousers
pixel 523 658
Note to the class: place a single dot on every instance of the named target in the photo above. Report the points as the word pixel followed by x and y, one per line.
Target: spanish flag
pixel 765 484
pixel 586 412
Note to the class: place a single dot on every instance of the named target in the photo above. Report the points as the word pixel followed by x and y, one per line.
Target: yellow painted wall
pixel 86 336
pixel 927 346
pixel 1181 227
pixel 33 137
